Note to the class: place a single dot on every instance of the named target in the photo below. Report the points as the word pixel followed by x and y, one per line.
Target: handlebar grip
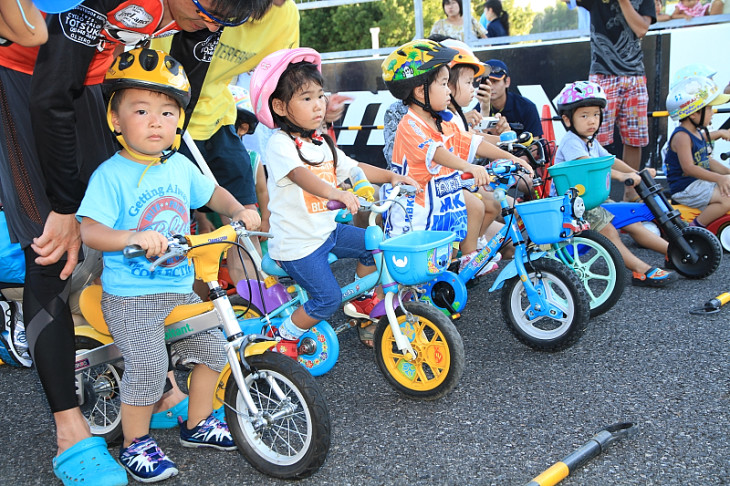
pixel 133 251
pixel 332 205
pixel 725 156
pixel 629 182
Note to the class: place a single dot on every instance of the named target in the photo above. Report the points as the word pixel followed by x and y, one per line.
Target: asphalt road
pixel 514 413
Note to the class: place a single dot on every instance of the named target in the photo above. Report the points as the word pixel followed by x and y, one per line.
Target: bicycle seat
pixel 270 266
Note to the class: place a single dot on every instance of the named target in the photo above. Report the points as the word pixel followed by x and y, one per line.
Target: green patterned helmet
pixel 409 65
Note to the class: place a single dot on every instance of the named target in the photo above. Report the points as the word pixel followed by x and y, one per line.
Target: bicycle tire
pixel 599 267
pixel 439 364
pixel 563 289
pixel 101 403
pixel 286 446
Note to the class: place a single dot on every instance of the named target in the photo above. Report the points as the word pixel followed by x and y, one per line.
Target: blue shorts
pixel 313 272
pixel 229 162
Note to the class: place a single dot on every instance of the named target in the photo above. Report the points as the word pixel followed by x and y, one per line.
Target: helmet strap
pixel 149 159
pixel 290 128
pixel 427 106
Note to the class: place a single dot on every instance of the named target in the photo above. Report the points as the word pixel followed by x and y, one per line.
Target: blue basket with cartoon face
pixel 543 220
pixel 419 256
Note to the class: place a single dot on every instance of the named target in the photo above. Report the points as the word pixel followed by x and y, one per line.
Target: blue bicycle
pixel 417 348
pixel 543 302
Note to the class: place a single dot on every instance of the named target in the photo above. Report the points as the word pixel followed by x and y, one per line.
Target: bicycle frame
pixel 205 252
pixel 539 306
pixel 391 288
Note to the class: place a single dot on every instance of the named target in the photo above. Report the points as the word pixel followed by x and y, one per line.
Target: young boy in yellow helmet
pixel 141 196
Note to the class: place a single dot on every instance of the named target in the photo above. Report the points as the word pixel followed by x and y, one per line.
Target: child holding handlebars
pixel 696 179
pixel 141 196
pixel 581 104
pixel 434 151
pixel 304 169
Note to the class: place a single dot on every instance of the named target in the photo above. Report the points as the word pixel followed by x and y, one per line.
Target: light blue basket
pixel 591 177
pixel 418 256
pixel 543 219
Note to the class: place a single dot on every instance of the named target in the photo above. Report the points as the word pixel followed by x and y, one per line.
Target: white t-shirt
pixel 299 220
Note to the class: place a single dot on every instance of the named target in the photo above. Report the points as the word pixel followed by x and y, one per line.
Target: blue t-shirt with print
pixel 160 201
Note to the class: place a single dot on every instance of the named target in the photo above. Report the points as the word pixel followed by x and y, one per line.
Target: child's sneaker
pixel 146 462
pixel 489 267
pixel 362 307
pixel 286 347
pixel 654 277
pixel 209 433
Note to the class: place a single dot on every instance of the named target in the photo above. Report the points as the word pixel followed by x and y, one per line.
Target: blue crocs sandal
pixel 89 462
pixel 167 419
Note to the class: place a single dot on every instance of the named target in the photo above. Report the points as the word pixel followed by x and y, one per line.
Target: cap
pixel 499 69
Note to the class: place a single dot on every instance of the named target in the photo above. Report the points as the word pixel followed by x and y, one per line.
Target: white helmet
pixel 697 69
pixel 692 94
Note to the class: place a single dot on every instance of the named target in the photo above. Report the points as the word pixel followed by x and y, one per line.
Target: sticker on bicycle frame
pixel 84 363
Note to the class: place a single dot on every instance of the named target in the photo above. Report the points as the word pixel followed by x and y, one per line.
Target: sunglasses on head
pixel 212 19
pixel 497 73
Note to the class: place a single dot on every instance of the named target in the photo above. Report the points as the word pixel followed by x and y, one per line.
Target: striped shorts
pixel 137 325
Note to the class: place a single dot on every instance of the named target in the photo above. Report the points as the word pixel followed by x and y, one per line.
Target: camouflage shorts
pixel 598 218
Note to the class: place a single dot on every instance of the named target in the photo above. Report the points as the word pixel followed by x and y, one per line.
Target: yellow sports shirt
pixel 239 50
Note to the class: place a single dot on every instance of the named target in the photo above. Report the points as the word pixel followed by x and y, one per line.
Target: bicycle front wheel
pixel 289 436
pixel 439 363
pixel 559 286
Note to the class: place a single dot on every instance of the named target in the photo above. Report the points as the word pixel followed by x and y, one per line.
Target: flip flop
pixel 89 462
pixel 367 334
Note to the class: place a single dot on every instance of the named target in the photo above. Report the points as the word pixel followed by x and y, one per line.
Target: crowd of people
pixel 93 122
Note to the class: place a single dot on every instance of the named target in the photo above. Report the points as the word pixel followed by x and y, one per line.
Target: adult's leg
pixel 50 333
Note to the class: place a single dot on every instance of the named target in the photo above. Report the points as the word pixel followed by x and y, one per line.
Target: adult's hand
pixel 335 107
pixel 484 95
pixel 61 234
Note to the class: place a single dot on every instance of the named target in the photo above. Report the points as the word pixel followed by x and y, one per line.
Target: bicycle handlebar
pixel 377 206
pixel 178 244
pixel 725 156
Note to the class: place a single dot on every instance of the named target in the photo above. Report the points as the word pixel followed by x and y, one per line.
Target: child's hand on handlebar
pixel 350 200
pixel 481 177
pixel 154 242
pixel 248 217
pixel 401 179
pixel 524 165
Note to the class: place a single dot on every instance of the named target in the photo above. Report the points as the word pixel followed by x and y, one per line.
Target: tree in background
pixel 554 19
pixel 347 27
pixel 520 18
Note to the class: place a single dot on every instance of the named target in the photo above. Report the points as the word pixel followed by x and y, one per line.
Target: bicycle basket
pixel 544 220
pixel 418 256
pixel 591 177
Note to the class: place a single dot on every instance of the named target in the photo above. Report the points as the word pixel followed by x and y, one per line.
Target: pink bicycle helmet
pixel 579 93
pixel 266 77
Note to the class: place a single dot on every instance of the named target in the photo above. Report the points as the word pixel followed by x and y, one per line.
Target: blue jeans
pixel 313 272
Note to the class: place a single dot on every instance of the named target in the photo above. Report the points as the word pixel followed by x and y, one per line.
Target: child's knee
pixel 324 306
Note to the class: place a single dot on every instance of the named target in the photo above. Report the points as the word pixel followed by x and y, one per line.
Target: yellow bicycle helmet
pixel 409 65
pixel 151 70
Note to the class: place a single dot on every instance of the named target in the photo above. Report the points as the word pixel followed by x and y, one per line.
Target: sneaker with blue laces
pixel 211 432
pixel 146 462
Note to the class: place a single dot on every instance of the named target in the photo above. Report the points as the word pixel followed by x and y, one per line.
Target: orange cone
pixel 547 124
